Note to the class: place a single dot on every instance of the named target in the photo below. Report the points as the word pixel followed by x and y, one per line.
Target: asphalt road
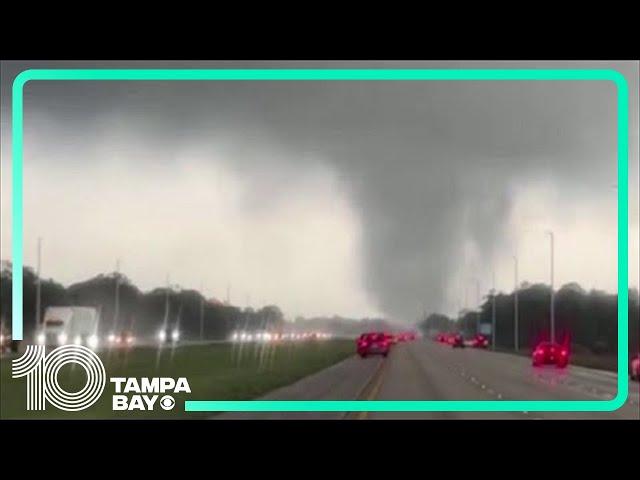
pixel 425 370
pixel 347 380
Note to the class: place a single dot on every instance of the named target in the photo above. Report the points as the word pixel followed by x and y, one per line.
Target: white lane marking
pixel 576 385
pixel 592 372
pixel 500 396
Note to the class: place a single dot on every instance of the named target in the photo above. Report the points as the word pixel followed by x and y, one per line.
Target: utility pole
pixel 552 309
pixel 516 338
pixel 38 287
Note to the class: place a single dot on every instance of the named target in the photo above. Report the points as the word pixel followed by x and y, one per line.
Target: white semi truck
pixel 70 325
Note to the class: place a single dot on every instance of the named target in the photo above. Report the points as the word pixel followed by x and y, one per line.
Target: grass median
pixel 215 372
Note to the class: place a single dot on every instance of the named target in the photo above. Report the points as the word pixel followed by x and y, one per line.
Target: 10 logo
pixel 42 370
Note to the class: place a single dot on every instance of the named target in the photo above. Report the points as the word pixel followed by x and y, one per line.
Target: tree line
pixel 144 312
pixel 586 320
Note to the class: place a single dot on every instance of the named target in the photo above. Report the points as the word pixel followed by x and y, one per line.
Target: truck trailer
pixel 69 325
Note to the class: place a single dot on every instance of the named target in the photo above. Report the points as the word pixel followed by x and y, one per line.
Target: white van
pixel 69 325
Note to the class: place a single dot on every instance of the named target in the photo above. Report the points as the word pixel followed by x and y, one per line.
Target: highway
pixel 425 370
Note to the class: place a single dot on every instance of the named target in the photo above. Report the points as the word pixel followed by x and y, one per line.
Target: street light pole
pixel 493 310
pixel 552 309
pixel 466 297
pixel 477 282
pixel 516 338
pixel 38 287
pixel 201 314
pixel 116 309
pixel 166 303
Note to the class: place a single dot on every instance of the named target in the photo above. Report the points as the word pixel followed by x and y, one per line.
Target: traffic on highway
pixel 238 240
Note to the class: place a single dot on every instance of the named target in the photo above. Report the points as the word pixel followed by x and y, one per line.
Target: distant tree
pixel 435 322
pixel 51 293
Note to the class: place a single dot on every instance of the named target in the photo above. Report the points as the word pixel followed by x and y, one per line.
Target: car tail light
pixel 564 352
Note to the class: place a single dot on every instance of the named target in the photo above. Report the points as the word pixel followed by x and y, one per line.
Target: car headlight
pixel 40 338
pixel 130 340
pixel 77 340
pixel 162 335
pixel 111 338
pixel 175 335
pixel 93 341
pixel 62 338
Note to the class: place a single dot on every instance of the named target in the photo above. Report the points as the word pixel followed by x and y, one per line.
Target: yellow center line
pixel 374 392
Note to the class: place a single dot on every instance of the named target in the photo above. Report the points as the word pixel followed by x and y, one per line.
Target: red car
pixel 547 353
pixel 373 344
pixel 124 339
pixel 480 341
pixel 456 340
pixel 635 368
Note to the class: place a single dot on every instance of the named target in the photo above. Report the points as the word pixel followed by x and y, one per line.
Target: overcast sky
pixel 353 198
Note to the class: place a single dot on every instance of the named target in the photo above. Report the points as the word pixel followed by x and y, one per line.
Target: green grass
pixel 214 372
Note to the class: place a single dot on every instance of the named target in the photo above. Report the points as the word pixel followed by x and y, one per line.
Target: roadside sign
pixel 485 328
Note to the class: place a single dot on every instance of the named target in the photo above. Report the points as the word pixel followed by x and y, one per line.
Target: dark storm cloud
pixel 427 164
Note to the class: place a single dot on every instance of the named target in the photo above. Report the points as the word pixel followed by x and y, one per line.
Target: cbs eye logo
pixel 167 402
pixel 42 372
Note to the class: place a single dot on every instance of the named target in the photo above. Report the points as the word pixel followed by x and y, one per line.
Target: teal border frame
pixel 353 75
